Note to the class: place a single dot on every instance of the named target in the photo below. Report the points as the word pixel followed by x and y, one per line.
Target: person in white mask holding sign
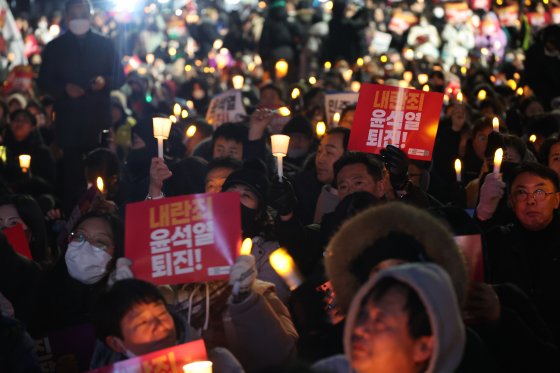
pixel 48 299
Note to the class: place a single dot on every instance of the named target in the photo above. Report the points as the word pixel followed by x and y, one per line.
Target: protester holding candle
pixel 22 138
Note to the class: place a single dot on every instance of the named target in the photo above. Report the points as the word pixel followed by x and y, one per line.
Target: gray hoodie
pixel 434 288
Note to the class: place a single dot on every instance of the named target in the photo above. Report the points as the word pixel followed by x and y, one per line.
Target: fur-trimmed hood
pixel 362 231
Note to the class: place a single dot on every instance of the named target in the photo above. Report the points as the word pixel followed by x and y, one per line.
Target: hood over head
pixel 433 286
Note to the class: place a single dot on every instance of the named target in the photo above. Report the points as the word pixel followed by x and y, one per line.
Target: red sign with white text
pixel 170 360
pixel 402 117
pixel 184 239
pixel 16 237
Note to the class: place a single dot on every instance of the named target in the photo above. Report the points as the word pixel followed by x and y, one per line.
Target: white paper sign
pixel 336 102
pixel 226 107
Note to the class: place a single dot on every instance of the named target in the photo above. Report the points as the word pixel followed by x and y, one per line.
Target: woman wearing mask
pixel 47 300
pixel 24 210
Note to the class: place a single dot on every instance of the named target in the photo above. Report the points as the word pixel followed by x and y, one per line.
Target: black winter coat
pixel 69 59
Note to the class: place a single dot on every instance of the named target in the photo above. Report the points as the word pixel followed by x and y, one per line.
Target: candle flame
pixel 460 97
pixel 295 93
pixel 458 165
pixel 481 95
pixel 321 128
pixel 282 262
pixel 177 110
pixel 533 138
pixel 284 111
pixel 100 184
pixel 496 124
pixel 191 131
pixel 246 246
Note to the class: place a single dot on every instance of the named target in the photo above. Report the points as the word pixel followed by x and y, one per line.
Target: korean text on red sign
pixel 183 239
pixel 402 117
pixel 170 360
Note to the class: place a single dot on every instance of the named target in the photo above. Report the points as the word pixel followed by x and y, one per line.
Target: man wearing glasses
pixel 527 252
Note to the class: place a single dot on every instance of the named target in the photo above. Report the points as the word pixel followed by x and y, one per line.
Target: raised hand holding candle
pixel 162 127
pixel 498 156
pixel 280 145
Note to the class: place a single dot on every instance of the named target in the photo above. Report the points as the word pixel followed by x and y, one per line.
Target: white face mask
pixel 79 27
pixel 86 263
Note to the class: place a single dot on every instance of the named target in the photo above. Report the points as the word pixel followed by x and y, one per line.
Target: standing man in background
pixel 79 69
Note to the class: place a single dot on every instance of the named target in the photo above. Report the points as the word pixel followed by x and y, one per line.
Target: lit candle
pixel 336 119
pixel 481 95
pixel 100 184
pixel 198 367
pixel 498 156
pixel 238 81
pixel 191 131
pixel 422 79
pixel 295 93
pixel 162 127
pixel 173 119
pixel 407 76
pixel 281 69
pixel 496 124
pixel 426 88
pixel 360 62
pixel 283 111
pixel 24 162
pixel 184 114
pixel 347 74
pixel 218 43
pixel 312 80
pixel 246 246
pixel 280 144
pixel 320 129
pixel 177 110
pixel 355 86
pixel 458 169
pixel 533 138
pixel 519 91
pixel 284 265
pixel 460 97
pixel 328 65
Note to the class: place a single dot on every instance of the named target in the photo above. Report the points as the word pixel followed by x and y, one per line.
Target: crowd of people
pixel 385 284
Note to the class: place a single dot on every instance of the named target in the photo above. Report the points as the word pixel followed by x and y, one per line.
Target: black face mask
pixel 250 224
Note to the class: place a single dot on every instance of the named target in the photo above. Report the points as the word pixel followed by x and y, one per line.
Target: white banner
pixel 336 102
pixel 226 107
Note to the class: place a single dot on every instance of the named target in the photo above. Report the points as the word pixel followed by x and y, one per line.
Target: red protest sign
pixel 16 237
pixel 183 239
pixel 403 117
pixel 170 360
pixel 471 247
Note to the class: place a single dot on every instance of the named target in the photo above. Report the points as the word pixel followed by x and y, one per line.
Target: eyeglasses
pixel 538 195
pixel 80 238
